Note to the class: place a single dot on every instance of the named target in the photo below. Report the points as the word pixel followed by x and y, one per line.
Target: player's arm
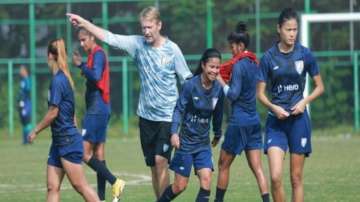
pixel 181 68
pixel 217 119
pixel 233 90
pixel 178 114
pixel 313 69
pixel 49 117
pixel 94 73
pixel 261 90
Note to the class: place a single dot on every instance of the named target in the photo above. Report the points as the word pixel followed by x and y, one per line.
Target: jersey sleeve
pixel 94 73
pixel 128 43
pixel 310 64
pixel 183 100
pixel 181 68
pixel 235 83
pixel 55 95
pixel 264 69
pixel 218 115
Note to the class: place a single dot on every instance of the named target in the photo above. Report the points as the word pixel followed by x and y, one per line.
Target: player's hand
pixel 76 58
pixel 76 20
pixel 175 140
pixel 299 108
pixel 215 141
pixel 221 80
pixel 280 112
pixel 32 136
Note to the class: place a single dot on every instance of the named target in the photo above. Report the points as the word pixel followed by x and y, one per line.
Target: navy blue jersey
pixel 94 102
pixel 194 110
pixel 242 93
pixel 285 74
pixel 61 95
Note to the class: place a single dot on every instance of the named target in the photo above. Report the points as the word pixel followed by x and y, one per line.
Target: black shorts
pixel 155 140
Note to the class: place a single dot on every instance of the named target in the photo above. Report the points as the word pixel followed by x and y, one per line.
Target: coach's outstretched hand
pixel 76 20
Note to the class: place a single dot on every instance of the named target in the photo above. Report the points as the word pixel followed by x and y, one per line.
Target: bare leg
pixel 296 169
pixel 225 161
pixel 276 163
pixel 255 163
pixel 77 179
pixel 160 175
pixel 55 176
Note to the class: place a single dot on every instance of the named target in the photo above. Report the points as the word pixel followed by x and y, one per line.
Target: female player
pixel 66 151
pixel 284 67
pixel 24 102
pixel 94 125
pixel 243 132
pixel 200 100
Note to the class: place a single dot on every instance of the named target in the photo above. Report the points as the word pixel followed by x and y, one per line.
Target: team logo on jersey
pixel 196 98
pixel 276 67
pixel 299 66
pixel 165 60
pixel 303 141
pixel 83 132
pixel 214 101
pixel 165 147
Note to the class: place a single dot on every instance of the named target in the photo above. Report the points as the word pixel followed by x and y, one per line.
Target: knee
pixel 161 161
pixel 53 188
pixel 179 187
pixel 223 165
pixel 276 181
pixel 296 180
pixel 206 182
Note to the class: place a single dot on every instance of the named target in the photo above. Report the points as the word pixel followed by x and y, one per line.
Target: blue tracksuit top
pixel 193 111
pixel 94 102
pixel 242 93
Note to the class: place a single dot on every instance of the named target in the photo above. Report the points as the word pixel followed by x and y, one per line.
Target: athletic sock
pixel 203 195
pixel 168 195
pixel 101 169
pixel 101 184
pixel 220 193
pixel 265 197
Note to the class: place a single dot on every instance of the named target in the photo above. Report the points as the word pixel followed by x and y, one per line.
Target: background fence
pixel 27 26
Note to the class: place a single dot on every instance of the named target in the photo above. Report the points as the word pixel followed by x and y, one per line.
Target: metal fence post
pixel 125 97
pixel 11 98
pixel 356 92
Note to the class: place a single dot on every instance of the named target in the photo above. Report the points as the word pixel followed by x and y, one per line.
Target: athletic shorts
pixel 155 140
pixel 95 128
pixel 182 163
pixel 239 138
pixel 293 133
pixel 69 148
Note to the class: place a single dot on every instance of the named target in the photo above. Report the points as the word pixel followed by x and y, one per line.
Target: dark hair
pixel 209 53
pixel 239 35
pixel 287 14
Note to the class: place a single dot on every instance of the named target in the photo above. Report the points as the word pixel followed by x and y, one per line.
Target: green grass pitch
pixel 332 173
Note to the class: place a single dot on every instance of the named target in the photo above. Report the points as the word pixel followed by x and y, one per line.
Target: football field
pixel 332 173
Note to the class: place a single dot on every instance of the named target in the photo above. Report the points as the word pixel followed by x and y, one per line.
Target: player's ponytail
pixel 240 35
pixel 57 49
pixel 209 53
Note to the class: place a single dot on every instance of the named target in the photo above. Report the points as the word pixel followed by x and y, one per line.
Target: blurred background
pixel 26 27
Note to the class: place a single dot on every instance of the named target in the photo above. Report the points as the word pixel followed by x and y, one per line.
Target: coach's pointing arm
pixel 78 21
